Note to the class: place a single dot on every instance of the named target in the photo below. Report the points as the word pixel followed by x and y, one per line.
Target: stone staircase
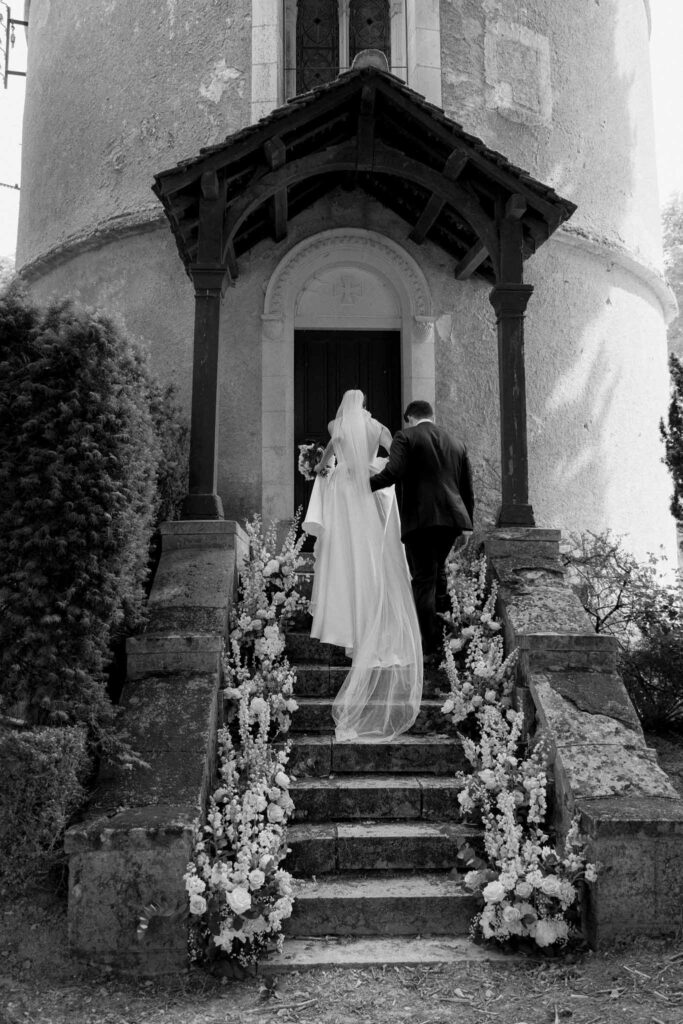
pixel 375 832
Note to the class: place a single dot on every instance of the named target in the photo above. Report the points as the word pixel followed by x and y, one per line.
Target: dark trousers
pixel 427 551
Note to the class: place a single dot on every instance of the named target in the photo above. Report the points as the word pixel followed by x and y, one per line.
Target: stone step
pixel 354 797
pixel 376 846
pixel 301 648
pixel 315 715
pixel 331 951
pixel 320 755
pixel 323 680
pixel 402 904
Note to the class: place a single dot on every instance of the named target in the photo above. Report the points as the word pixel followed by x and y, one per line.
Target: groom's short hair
pixel 418 410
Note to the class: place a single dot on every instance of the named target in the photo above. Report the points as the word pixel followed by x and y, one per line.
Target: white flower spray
pixel 530 890
pixel 238 893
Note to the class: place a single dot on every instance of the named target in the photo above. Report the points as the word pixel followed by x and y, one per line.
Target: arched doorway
pixel 345 308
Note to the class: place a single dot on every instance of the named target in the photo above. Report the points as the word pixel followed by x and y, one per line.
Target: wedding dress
pixel 362 598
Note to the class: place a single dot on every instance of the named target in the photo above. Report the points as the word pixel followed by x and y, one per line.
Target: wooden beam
pixel 386 160
pixel 453 168
pixel 278 214
pixel 366 129
pixel 516 207
pixel 275 153
pixel 427 218
pixel 471 261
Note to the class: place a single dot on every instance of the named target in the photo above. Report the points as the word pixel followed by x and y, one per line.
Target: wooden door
pixel 328 363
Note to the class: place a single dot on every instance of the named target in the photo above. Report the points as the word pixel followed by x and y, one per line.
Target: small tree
pixel 672 435
pixel 79 464
pixel 634 603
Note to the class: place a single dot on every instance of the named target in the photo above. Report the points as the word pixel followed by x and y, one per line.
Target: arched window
pixel 323 36
pixel 369 27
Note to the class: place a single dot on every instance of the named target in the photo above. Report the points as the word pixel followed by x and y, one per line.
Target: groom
pixel 436 503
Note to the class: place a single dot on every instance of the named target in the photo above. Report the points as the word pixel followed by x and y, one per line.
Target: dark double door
pixel 328 363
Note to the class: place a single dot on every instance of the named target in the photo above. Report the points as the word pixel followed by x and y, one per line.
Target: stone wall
pixel 603 772
pixel 132 848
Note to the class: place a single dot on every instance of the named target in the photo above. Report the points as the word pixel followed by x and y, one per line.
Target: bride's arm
pixel 322 463
pixel 385 438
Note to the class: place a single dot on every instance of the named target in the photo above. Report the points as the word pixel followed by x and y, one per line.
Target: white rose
pixel 546 932
pixel 258 706
pixel 239 900
pixel 487 777
pixel 275 814
pixel 523 889
pixel 551 886
pixel 591 873
pixel 194 885
pixel 282 780
pixel 267 862
pixel 494 892
pixel 273 566
pixel 197 904
pixel 283 906
pixel 256 878
pixel 279 598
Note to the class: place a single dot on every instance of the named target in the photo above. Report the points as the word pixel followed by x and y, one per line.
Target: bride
pixel 362 598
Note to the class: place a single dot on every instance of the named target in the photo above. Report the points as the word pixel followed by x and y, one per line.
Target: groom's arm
pixel 395 467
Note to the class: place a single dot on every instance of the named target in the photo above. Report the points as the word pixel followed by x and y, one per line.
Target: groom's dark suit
pixel 433 481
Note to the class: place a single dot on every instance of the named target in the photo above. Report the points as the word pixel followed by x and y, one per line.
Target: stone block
pixel 312 850
pixel 593 693
pixel 313 715
pixel 394 846
pixel 160 655
pixel 314 680
pixel 440 755
pixel 118 866
pixel 310 755
pixel 403 905
pixel 439 799
pixel 581 721
pixel 590 772
pixel 341 798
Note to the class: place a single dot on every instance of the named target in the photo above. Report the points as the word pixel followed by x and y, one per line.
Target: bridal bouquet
pixel 309 457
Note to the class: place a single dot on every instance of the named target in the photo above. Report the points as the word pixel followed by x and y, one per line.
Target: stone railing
pixel 603 769
pixel 133 847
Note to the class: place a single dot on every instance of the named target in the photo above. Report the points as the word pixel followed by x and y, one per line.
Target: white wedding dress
pixel 362 598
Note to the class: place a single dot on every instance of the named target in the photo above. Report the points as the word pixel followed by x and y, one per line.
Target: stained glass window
pixel 369 27
pixel 317 43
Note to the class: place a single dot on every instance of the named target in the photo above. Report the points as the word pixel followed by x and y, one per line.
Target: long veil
pixel 380 697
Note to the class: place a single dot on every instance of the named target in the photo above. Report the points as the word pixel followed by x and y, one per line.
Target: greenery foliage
pixel 640 607
pixel 42 771
pixel 672 435
pixel 80 458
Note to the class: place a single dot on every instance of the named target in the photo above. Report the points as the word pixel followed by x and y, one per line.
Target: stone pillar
pixel 509 302
pixel 202 501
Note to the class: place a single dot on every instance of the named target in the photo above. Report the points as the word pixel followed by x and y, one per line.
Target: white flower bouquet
pixel 309 457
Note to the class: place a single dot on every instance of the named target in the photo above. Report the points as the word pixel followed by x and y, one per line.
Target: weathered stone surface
pixel 439 798
pixel 313 849
pixel 595 693
pixel 571 725
pixel 303 954
pixel 402 905
pixel 302 648
pixel 439 755
pixel 315 715
pixel 408 845
pixel 181 761
pixel 159 655
pixel 119 865
pixel 311 755
pixel 348 797
pixel 591 772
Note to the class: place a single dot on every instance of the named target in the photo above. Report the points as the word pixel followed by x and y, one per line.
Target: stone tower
pixel 118 92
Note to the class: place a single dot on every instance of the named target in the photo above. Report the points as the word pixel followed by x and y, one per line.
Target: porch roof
pixel 365 130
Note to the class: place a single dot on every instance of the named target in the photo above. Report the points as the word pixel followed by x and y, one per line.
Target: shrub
pixel 79 463
pixel 634 603
pixel 42 773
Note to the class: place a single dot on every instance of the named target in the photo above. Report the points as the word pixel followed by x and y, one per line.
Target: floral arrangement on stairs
pixel 531 892
pixel 238 893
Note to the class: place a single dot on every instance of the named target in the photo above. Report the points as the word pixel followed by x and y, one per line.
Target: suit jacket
pixel 433 479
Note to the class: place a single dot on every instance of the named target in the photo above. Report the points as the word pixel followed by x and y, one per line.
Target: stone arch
pixel 407 306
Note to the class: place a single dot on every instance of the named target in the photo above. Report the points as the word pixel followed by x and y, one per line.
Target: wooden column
pixel 509 298
pixel 210 278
